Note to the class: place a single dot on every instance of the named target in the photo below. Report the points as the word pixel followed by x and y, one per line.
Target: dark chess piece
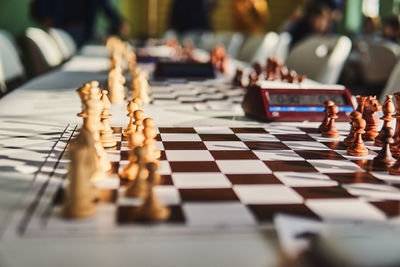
pixel 253 78
pixel 325 121
pixel 300 78
pixel 384 158
pixel 238 79
pixel 395 148
pixel 371 118
pixel 361 103
pixel 350 138
pixel 388 109
pixel 257 68
pixel 273 69
pixel 357 148
pixel 330 130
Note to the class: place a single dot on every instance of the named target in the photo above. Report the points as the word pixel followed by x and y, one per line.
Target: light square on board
pixel 242 166
pixel 335 166
pixel 213 130
pixel 218 214
pixel 189 155
pixel 277 155
pixel 168 195
pixel 305 145
pixel 306 179
pixel 228 145
pixel 345 209
pixel 180 137
pixel 267 194
pixel 257 137
pixel 200 180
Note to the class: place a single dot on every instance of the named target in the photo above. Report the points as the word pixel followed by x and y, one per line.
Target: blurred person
pixel 317 19
pixel 78 17
pixel 192 15
pixel 391 28
pixel 249 16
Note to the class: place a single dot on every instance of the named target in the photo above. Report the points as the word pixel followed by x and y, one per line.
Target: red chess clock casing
pixel 291 102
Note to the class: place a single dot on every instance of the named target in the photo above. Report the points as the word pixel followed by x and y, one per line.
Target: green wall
pixel 14 16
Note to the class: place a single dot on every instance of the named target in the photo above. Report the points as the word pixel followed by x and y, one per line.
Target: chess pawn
pixel 80 193
pixel 357 148
pixel 325 121
pixel 152 209
pixel 355 115
pixel 371 118
pixel 131 107
pixel 385 156
pixel 152 153
pixel 139 187
pixel 116 87
pixel 388 109
pixel 106 133
pixel 144 87
pixel 138 115
pixel 92 123
pixel 238 78
pixel 135 139
pixel 154 178
pixel 83 93
pixel 330 130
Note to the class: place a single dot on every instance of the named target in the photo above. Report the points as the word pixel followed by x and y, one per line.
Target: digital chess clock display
pixel 305 99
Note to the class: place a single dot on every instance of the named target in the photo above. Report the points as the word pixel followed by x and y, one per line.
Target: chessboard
pixel 229 177
pixel 170 92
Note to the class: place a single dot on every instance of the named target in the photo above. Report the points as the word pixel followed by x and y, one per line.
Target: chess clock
pixel 277 101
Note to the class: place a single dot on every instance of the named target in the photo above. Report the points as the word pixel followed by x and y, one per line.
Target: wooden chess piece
pixel 138 115
pixel 139 187
pixel 131 108
pixel 152 209
pixel 92 123
pixel 371 118
pixel 80 193
pixel 154 177
pixel 135 139
pixel 152 153
pixel 388 109
pixel 131 169
pixel 330 130
pixel 116 86
pixel 384 158
pixel 355 115
pixel 144 87
pixel 106 133
pixel 253 78
pixel 83 93
pixel 357 148
pixel 395 148
pixel 361 103
pixel 238 78
pixel 257 68
pixel 324 123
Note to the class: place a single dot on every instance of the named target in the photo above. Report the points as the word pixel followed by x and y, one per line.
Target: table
pixel 35 115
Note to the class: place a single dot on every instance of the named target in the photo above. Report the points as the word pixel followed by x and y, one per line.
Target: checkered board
pixel 229 177
pixel 189 92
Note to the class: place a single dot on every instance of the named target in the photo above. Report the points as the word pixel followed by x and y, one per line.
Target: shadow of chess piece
pixel 357 148
pixel 388 109
pixel 152 209
pixel 139 187
pixel 384 158
pixel 330 130
pixel 324 123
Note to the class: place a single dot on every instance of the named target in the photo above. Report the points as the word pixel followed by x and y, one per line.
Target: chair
pixel 377 60
pixel 42 51
pixel 258 47
pixel 65 42
pixel 321 58
pixel 12 69
pixel 393 84
pixel 282 48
